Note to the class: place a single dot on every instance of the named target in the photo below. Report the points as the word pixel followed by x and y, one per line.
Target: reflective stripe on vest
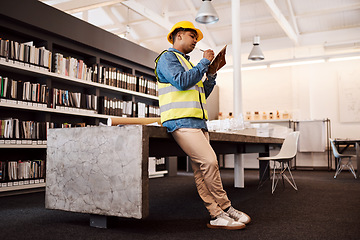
pixel 175 103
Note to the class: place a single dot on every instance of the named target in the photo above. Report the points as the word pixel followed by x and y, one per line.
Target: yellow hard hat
pixel 185 25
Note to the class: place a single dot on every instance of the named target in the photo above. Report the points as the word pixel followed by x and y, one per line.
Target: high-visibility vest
pixel 175 103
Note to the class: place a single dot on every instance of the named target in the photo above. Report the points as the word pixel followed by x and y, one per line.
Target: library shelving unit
pixel 61 72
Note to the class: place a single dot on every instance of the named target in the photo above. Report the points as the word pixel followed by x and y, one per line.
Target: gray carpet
pixel 323 208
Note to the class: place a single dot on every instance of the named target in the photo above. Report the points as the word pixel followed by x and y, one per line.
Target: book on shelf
pixel 2 171
pixel 142 84
pixel 80 124
pixel 4 87
pixel 94 74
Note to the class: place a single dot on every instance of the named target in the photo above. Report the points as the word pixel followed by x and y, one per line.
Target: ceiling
pixel 319 26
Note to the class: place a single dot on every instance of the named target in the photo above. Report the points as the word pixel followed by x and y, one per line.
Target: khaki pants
pixel 195 143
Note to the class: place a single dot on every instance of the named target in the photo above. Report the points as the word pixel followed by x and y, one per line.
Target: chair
pixel 339 156
pixel 287 153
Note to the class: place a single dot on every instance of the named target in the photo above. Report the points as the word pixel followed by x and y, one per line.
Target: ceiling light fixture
pixel 206 13
pixel 256 53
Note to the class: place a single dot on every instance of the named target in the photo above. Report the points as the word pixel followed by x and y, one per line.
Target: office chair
pixel 287 153
pixel 339 156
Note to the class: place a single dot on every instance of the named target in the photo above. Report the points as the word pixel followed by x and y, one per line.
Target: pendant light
pixel 256 53
pixel 206 13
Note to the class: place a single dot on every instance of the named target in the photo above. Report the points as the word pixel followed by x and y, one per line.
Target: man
pixel 182 100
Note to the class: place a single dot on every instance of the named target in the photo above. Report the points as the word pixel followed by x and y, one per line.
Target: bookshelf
pixel 83 75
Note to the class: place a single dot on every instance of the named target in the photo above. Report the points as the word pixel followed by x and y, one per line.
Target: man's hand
pixel 209 54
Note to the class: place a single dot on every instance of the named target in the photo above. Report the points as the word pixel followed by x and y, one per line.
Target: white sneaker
pixel 223 221
pixel 238 215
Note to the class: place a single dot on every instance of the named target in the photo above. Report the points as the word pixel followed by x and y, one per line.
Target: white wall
pixel 306 91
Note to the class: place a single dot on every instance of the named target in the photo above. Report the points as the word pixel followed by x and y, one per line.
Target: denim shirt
pixel 170 70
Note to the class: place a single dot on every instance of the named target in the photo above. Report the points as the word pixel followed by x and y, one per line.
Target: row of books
pixel 13 128
pixel 147 86
pixel 24 91
pixel 144 110
pixel 116 78
pixel 72 67
pixel 72 125
pixel 21 170
pixel 25 53
pixel 66 98
pixel 117 107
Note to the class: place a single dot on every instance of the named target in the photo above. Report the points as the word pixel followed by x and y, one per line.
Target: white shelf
pixel 37 71
pixel 70 111
pixel 86 113
pixel 268 121
pixel 157 174
pixel 22 145
pixel 22 187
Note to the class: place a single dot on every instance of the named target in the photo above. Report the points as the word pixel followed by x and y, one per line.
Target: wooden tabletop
pixel 160 132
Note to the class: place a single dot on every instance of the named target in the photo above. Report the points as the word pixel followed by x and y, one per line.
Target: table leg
pixel 98 221
pixel 171 166
pixel 239 171
pixel 264 169
pixel 357 147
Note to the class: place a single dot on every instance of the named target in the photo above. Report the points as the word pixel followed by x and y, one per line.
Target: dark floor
pixel 323 208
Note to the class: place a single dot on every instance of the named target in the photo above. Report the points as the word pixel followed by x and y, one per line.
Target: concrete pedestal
pixel 97 170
